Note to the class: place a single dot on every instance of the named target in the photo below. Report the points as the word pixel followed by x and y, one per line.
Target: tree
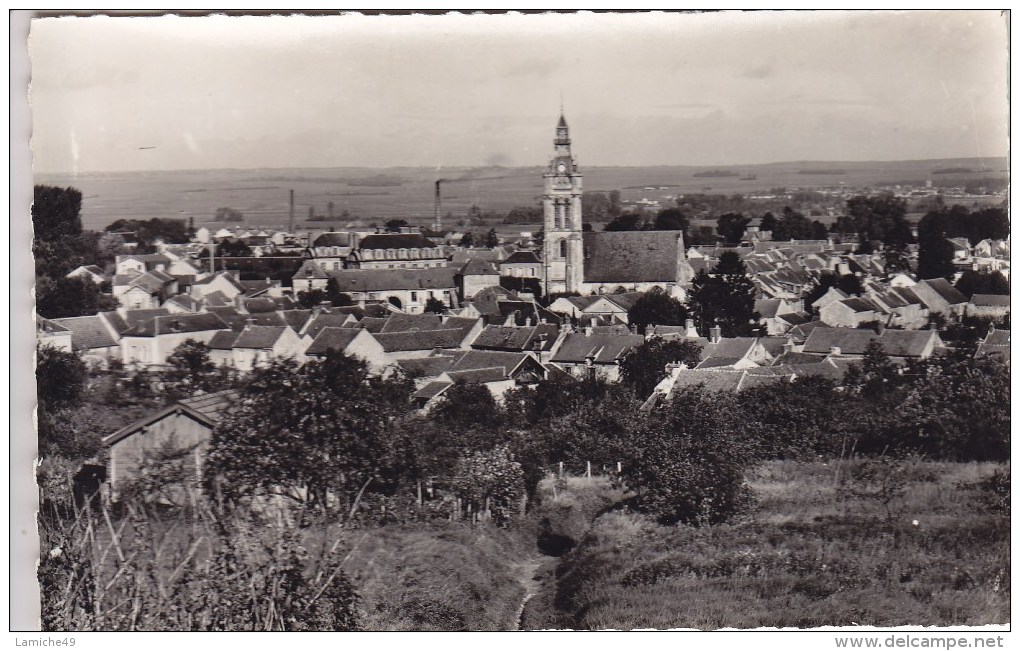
pixel 687 461
pixel 671 219
pixel 656 307
pixel 768 222
pixel 491 239
pixel 68 297
pixel 731 226
pixel 795 226
pixel 614 204
pixel 977 282
pixel 466 404
pixel 56 212
pixel 435 305
pixel 228 214
pixel 394 225
pixel 896 260
pixel 879 218
pixel 60 378
pixel 491 478
pixel 724 297
pixel 625 222
pixel 796 418
pixel 311 298
pixel 190 369
pixel 318 434
pixel 336 297
pixel 643 367
pixel 849 284
pixel 468 240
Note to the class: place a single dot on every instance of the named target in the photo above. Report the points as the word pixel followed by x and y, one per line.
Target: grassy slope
pixel 808 556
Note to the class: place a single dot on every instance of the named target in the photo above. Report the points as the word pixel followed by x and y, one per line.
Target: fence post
pixel 561 468
pixel 420 501
pixel 588 471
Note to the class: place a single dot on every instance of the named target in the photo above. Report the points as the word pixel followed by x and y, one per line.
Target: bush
pixel 491 479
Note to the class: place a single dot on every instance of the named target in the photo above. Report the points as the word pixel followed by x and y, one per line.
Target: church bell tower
pixel 563 247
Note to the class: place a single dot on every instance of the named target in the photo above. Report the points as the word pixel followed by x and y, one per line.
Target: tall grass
pixel 827 545
pixel 195 568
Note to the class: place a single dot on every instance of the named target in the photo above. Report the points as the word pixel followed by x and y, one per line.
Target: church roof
pixel 631 256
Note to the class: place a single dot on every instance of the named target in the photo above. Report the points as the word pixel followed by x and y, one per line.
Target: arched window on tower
pixel 563 248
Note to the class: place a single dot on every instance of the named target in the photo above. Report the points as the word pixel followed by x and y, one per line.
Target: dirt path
pixel 524 571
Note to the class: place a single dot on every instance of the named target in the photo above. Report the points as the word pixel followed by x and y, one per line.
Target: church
pixel 601 262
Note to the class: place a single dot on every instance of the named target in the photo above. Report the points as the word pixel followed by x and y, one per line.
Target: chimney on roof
pixel 834 351
pixel 691 331
pixel 527 322
pixel 788 346
pixel 587 330
pixel 714 334
pixel 248 323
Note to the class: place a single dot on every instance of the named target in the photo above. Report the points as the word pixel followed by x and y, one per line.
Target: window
pixel 414 297
pixel 336 266
pixel 563 248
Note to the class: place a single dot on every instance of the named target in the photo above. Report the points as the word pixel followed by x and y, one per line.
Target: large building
pixel 600 262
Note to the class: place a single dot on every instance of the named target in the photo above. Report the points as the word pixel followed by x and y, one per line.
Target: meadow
pixel 825 545
pixel 377 195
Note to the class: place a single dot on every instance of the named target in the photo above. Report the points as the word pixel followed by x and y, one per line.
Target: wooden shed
pixel 180 432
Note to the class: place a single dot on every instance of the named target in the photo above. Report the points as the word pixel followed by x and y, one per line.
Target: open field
pixel 376 195
pixel 814 552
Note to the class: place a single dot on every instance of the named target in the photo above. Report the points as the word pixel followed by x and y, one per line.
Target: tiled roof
pixel 88 332
pixel 332 338
pixel 431 366
pixel 898 343
pixel 296 319
pixel 475 359
pixel 223 340
pixel 479 376
pixel 254 305
pixel 379 280
pixel 476 267
pixel 989 300
pixel 135 316
pixel 523 310
pixel 516 338
pixel 795 318
pixel 631 256
pixel 792 359
pixel 420 340
pixel 207 408
pixel 333 239
pixel 52 327
pixel 768 308
pixel 259 336
pixel 431 390
pixel 324 320
pixel 623 300
pixel 943 288
pixel 217 299
pixel 396 241
pixel 175 323
pixel 729 347
pixel 859 304
pixel 407 322
pixel 185 301
pixel 832 369
pixel 997 337
pixel 606 349
pixel 522 257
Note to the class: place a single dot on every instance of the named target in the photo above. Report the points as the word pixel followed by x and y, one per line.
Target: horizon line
pixel 1003 157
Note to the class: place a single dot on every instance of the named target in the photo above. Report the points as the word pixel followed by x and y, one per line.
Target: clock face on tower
pixel 561 167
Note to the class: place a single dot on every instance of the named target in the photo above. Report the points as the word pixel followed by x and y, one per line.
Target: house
pixel 96 338
pixel 451 335
pixel 940 297
pixel 833 295
pixel 539 338
pixel 349 341
pixel 734 352
pixel 256 345
pixel 406 250
pixel 497 371
pixel 729 380
pixel 571 306
pixel 995 344
pixel 845 342
pixel 223 283
pixel 145 290
pixel 134 264
pixel 90 271
pixel 406 289
pixel 522 264
pixel 613 308
pixel 52 334
pixel 770 309
pixel 184 428
pixel 150 342
pixel 182 304
pixel 849 312
pixel 476 275
pixel 584 353
pixel 331 250
pixel 988 305
pixel 900 307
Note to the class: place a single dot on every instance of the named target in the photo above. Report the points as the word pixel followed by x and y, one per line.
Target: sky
pixel 168 92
